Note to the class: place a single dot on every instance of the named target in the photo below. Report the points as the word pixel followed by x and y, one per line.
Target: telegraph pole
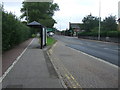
pixel 2 6
pixel 99 19
pixel 27 15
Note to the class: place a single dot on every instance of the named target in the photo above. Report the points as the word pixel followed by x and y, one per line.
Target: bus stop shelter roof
pixel 34 24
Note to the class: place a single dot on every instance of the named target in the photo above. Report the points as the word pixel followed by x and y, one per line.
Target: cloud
pixel 13 7
pixel 72 10
pixel 75 10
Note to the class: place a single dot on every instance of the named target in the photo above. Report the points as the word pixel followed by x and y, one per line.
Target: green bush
pixel 33 35
pixel 13 31
pixel 113 33
pixel 102 33
pixel 88 34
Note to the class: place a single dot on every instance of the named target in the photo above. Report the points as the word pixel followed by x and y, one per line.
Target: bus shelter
pixel 43 32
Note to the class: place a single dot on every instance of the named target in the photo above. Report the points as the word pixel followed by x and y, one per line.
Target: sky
pixel 72 10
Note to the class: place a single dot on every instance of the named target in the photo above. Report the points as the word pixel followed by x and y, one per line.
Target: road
pixel 106 51
pixel 81 70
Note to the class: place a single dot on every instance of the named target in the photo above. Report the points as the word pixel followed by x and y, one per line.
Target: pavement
pixel 11 55
pixel 80 70
pixel 32 69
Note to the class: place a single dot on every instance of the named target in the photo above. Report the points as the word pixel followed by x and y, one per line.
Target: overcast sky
pixel 73 10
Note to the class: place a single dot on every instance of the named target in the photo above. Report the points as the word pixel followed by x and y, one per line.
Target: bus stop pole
pixel 41 35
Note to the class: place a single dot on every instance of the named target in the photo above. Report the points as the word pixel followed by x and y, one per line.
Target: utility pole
pixel 27 15
pixel 60 25
pixel 99 19
pixel 2 6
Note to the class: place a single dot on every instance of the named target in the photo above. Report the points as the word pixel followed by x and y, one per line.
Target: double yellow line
pixel 67 77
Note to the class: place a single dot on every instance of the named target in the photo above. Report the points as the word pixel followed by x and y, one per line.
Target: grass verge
pixel 50 41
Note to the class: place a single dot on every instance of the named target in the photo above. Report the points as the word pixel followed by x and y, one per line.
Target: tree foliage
pixel 90 22
pixel 13 31
pixel 109 23
pixel 41 12
pixel 91 26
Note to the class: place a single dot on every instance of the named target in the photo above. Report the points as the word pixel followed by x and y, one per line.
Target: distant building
pixel 75 27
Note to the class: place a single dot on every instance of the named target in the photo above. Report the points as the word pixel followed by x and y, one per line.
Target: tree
pixel 41 12
pixel 90 22
pixel 81 26
pixel 109 23
pixel 48 22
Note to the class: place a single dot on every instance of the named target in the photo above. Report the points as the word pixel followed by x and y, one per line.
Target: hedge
pixel 13 31
pixel 102 33
pixel 113 33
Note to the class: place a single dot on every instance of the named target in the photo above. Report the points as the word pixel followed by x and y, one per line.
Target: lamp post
pixel 2 5
pixel 27 15
pixel 99 19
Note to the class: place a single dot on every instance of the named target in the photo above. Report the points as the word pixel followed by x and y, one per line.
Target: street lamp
pixel 99 19
pixel 2 5
pixel 27 14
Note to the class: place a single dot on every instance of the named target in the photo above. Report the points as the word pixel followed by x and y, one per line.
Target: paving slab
pixel 31 71
pixel 85 70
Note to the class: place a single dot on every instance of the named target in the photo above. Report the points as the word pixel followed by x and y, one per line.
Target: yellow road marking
pixel 67 74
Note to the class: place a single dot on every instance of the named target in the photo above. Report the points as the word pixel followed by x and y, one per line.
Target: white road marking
pixel 106 48
pixel 81 43
pixel 102 45
pixel 95 58
pixel 94 46
pixel 110 49
pixel 8 70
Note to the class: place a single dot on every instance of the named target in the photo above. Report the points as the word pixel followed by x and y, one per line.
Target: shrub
pixel 113 33
pixel 13 31
pixel 33 35
pixel 102 33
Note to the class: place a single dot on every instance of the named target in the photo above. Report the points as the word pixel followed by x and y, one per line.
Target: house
pixel 75 27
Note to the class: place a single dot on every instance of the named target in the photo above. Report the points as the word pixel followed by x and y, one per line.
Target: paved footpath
pixel 31 70
pixel 80 70
pixel 9 56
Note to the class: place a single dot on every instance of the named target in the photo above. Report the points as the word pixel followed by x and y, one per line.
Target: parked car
pixel 50 34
